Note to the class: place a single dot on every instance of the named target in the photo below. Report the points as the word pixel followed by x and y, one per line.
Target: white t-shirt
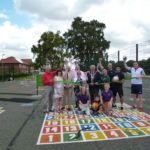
pixel 58 87
pixel 83 76
pixel 136 73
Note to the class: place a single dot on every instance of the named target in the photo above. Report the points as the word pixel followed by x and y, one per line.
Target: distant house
pixel 16 66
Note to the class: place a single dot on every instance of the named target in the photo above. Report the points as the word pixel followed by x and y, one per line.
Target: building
pixel 12 65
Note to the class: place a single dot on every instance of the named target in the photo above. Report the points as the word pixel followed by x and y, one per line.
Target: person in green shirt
pixel 104 79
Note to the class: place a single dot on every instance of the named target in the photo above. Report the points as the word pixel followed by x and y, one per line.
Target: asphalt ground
pixel 21 122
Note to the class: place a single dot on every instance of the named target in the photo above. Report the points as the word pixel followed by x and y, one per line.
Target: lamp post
pixel 2 67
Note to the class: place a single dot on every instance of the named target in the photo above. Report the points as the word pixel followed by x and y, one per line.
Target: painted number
pixel 52 122
pixel 113 133
pixel 50 138
pixel 72 136
pixel 72 128
pixel 133 132
pixel 54 129
pixel 94 135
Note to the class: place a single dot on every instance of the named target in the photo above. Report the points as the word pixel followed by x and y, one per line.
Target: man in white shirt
pixel 83 75
pixel 137 74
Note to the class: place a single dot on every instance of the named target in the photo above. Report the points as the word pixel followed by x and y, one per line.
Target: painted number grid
pixel 70 127
pixel 2 110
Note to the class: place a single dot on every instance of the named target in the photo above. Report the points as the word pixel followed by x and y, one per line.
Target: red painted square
pixel 114 134
pixel 52 129
pixel 140 124
pixel 52 123
pixel 68 117
pixel 144 117
pixel 107 126
pixel 50 138
pixel 73 128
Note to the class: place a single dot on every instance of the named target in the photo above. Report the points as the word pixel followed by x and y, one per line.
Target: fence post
pixel 118 55
pixel 137 51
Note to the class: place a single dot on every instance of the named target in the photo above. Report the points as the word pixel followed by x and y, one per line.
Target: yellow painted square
pixel 69 122
pixel 102 120
pixel 146 130
pixel 97 135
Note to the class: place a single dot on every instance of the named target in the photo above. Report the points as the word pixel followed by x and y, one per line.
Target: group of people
pixel 93 91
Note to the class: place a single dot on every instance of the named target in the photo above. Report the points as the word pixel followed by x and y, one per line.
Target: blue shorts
pixel 136 88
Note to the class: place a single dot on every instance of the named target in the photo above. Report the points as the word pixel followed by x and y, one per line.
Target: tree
pixel 85 40
pixel 50 48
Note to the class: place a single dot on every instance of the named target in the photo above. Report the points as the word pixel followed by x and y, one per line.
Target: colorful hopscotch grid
pixel 71 127
pixel 2 110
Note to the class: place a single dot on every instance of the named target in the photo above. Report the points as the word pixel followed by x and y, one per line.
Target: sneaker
pixel 62 108
pixel 133 107
pixel 50 110
pixel 121 108
pixel 76 106
pixel 45 111
pixel 69 109
pixel 141 109
pixel 114 105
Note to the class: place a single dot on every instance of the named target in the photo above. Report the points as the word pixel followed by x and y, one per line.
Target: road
pixel 22 119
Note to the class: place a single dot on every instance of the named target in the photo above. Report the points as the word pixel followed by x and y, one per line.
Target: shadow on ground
pixel 18 100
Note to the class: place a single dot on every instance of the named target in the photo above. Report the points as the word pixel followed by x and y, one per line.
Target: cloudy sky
pixel 23 21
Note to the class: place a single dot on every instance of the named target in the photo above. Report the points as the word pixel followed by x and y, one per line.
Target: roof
pixel 10 60
pixel 13 60
pixel 27 61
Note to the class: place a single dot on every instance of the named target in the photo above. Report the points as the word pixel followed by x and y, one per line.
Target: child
pixel 77 87
pixel 58 91
pixel 84 102
pixel 107 98
pixel 96 105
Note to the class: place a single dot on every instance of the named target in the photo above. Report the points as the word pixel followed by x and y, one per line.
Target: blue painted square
pixel 118 119
pixel 133 118
pixel 125 125
pixel 49 117
pixel 89 127
pixel 98 115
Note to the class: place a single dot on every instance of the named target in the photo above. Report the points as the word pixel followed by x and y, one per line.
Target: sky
pixel 23 21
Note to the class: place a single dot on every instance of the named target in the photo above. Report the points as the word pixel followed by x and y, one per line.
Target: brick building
pixel 16 66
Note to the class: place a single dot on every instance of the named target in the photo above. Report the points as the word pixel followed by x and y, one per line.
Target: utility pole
pixel 137 52
pixel 118 55
pixel 2 67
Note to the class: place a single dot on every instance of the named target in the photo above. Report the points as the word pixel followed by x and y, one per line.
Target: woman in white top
pixel 58 91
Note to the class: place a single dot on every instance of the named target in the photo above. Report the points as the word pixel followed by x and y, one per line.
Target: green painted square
pixel 132 132
pixel 148 121
pixel 68 137
pixel 86 121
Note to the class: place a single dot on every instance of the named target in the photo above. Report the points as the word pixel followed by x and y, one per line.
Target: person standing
pixel 110 70
pixel 104 79
pixel 48 83
pixel 58 91
pixel 79 82
pixel 118 81
pixel 93 80
pixel 76 70
pixel 137 74
pixel 68 88
pixel 110 73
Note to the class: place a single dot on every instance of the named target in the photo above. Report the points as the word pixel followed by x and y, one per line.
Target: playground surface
pixel 22 123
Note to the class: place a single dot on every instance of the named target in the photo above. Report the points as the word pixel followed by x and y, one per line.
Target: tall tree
pixel 85 40
pixel 50 48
